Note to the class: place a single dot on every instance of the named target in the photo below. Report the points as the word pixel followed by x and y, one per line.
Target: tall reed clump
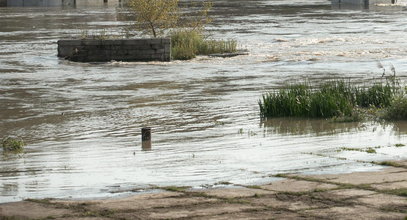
pixel 187 44
pixel 301 100
pixel 184 44
pixel 290 101
pixel 397 110
pixel 379 95
pixel 217 46
pixel 331 99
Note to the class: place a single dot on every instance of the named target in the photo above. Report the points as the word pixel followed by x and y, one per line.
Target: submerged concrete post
pixel 146 138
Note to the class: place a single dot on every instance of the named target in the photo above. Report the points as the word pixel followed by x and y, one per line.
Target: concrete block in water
pixel 38 3
pixel 89 50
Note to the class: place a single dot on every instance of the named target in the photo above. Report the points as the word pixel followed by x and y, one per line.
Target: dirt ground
pixel 366 195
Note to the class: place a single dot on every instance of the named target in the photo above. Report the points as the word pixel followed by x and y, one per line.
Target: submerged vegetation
pixel 187 44
pixel 370 150
pixel 12 145
pixel 336 99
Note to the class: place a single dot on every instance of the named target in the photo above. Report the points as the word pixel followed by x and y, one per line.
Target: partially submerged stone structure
pixel 41 3
pixel 55 3
pixel 89 50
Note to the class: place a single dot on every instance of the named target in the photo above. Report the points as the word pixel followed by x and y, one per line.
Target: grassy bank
pixel 335 99
pixel 187 44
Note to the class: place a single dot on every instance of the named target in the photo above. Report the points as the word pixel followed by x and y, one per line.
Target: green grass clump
pixel 371 150
pixel 187 44
pixel 300 100
pixel 12 145
pixel 389 163
pixel 184 44
pixel 349 149
pixel 397 110
pixel 175 188
pixel 217 46
pixel 253 187
pixel 336 99
pixel 379 95
pixel 223 183
pixel 291 101
pixel 399 192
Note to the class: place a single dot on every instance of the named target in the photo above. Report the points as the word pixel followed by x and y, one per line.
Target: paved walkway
pixel 367 195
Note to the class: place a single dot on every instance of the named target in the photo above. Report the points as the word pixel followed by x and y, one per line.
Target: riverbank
pixel 363 195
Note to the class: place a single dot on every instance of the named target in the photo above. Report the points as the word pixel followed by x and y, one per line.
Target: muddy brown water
pixel 82 121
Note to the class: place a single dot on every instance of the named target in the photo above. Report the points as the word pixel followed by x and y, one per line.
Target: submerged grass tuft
pixel 175 188
pixel 253 187
pixel 389 163
pixel 12 145
pixel 371 150
pixel 398 192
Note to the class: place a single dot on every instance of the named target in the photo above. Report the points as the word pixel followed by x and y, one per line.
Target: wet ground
pixel 82 122
pixel 366 195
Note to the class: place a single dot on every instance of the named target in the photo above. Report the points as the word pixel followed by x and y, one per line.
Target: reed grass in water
pixel 332 99
pixel 187 44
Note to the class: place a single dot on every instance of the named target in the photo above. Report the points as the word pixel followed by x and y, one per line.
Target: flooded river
pixel 82 121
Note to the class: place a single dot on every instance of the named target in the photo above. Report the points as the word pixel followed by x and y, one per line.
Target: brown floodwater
pixel 82 121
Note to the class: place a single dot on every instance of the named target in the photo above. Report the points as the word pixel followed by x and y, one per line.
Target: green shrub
pixel 12 145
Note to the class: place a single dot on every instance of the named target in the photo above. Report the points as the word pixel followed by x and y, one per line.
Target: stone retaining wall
pixel 39 3
pixel 54 3
pixel 119 50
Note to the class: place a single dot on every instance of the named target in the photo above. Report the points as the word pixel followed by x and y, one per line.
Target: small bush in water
pixel 12 145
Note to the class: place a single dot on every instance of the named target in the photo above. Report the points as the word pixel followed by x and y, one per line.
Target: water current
pixel 81 121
